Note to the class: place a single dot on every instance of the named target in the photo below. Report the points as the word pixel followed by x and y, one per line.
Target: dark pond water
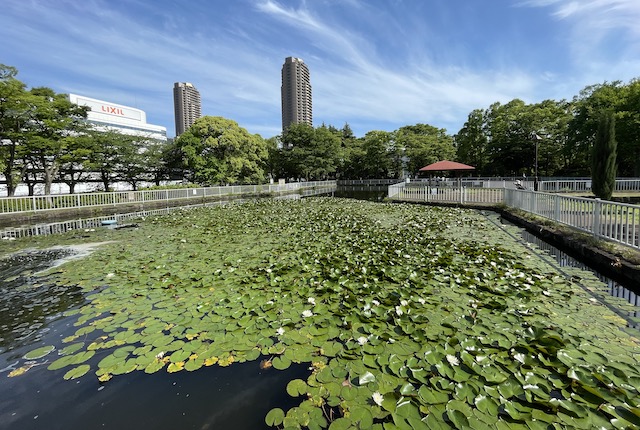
pixel 613 287
pixel 235 397
pixel 371 193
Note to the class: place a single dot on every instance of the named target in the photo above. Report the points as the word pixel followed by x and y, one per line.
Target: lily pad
pixel 39 352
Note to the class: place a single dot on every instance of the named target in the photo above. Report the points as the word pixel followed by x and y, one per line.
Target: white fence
pixel 618 222
pixel 563 185
pixel 568 186
pixel 424 193
pixel 73 201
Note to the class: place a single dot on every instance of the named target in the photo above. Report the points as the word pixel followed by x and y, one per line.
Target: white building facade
pixel 124 119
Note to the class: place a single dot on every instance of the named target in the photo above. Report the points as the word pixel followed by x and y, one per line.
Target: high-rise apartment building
pixel 296 93
pixel 186 105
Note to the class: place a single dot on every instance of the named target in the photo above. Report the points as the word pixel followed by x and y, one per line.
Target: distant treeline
pixel 45 138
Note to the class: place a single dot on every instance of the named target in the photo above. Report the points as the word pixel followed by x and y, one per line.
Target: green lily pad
pixel 39 352
pixel 297 387
pixel 77 372
pixel 275 417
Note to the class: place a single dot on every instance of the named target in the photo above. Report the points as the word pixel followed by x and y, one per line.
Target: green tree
pixel 135 157
pixel 163 161
pixel 423 144
pixel 106 146
pixel 274 163
pixel 17 107
pixel 603 170
pixel 311 154
pixel 75 161
pixel 218 151
pixel 471 142
pixel 378 159
pixel 628 130
pixel 54 125
pixel 509 131
pixel 581 132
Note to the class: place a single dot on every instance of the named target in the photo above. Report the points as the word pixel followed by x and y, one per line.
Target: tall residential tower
pixel 296 93
pixel 186 105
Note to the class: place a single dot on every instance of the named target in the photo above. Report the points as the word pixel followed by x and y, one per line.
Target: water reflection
pixel 27 300
pixel 563 259
pixel 362 192
pixel 31 306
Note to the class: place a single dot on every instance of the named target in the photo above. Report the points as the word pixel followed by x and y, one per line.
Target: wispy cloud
pixel 364 87
pixel 594 20
pixel 375 65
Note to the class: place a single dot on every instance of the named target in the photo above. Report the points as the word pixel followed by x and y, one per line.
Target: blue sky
pixel 375 64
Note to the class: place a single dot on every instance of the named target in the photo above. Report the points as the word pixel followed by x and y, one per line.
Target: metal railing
pixel 73 201
pixel 424 193
pixel 561 185
pixel 604 219
pixel 371 182
pixel 568 186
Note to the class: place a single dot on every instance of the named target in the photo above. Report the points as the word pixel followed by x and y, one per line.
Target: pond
pixel 328 310
pixel 32 312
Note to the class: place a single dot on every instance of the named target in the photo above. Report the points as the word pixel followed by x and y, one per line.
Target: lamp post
pixel 537 140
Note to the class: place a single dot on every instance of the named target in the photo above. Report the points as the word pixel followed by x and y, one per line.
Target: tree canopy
pixel 218 151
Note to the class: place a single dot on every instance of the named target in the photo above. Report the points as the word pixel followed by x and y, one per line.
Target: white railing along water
pixel 73 201
pixel 619 222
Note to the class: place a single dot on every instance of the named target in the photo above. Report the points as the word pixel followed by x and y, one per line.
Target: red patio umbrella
pixel 446 165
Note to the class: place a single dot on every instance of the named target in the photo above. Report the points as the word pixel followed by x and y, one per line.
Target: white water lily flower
pixel 362 340
pixel 421 301
pixel 307 313
pixel 375 302
pixel 311 300
pixel 530 387
pixel 399 311
pixel 377 398
pixel 453 360
pixel 270 302
pixel 280 331
pixel 110 275
pixel 404 302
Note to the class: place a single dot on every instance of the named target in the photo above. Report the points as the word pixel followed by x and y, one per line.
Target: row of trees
pixel 45 138
pixel 498 140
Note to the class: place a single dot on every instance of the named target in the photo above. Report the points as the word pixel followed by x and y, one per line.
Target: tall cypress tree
pixel 603 158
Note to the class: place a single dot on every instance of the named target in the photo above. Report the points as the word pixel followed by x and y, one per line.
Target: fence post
pixel 33 203
pixel 597 212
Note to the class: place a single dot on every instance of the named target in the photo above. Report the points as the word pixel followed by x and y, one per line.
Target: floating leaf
pixel 39 352
pixel 366 378
pixel 281 363
pixel 154 366
pixel 274 417
pixel 19 371
pixel 297 387
pixel 175 367
pixel 77 372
